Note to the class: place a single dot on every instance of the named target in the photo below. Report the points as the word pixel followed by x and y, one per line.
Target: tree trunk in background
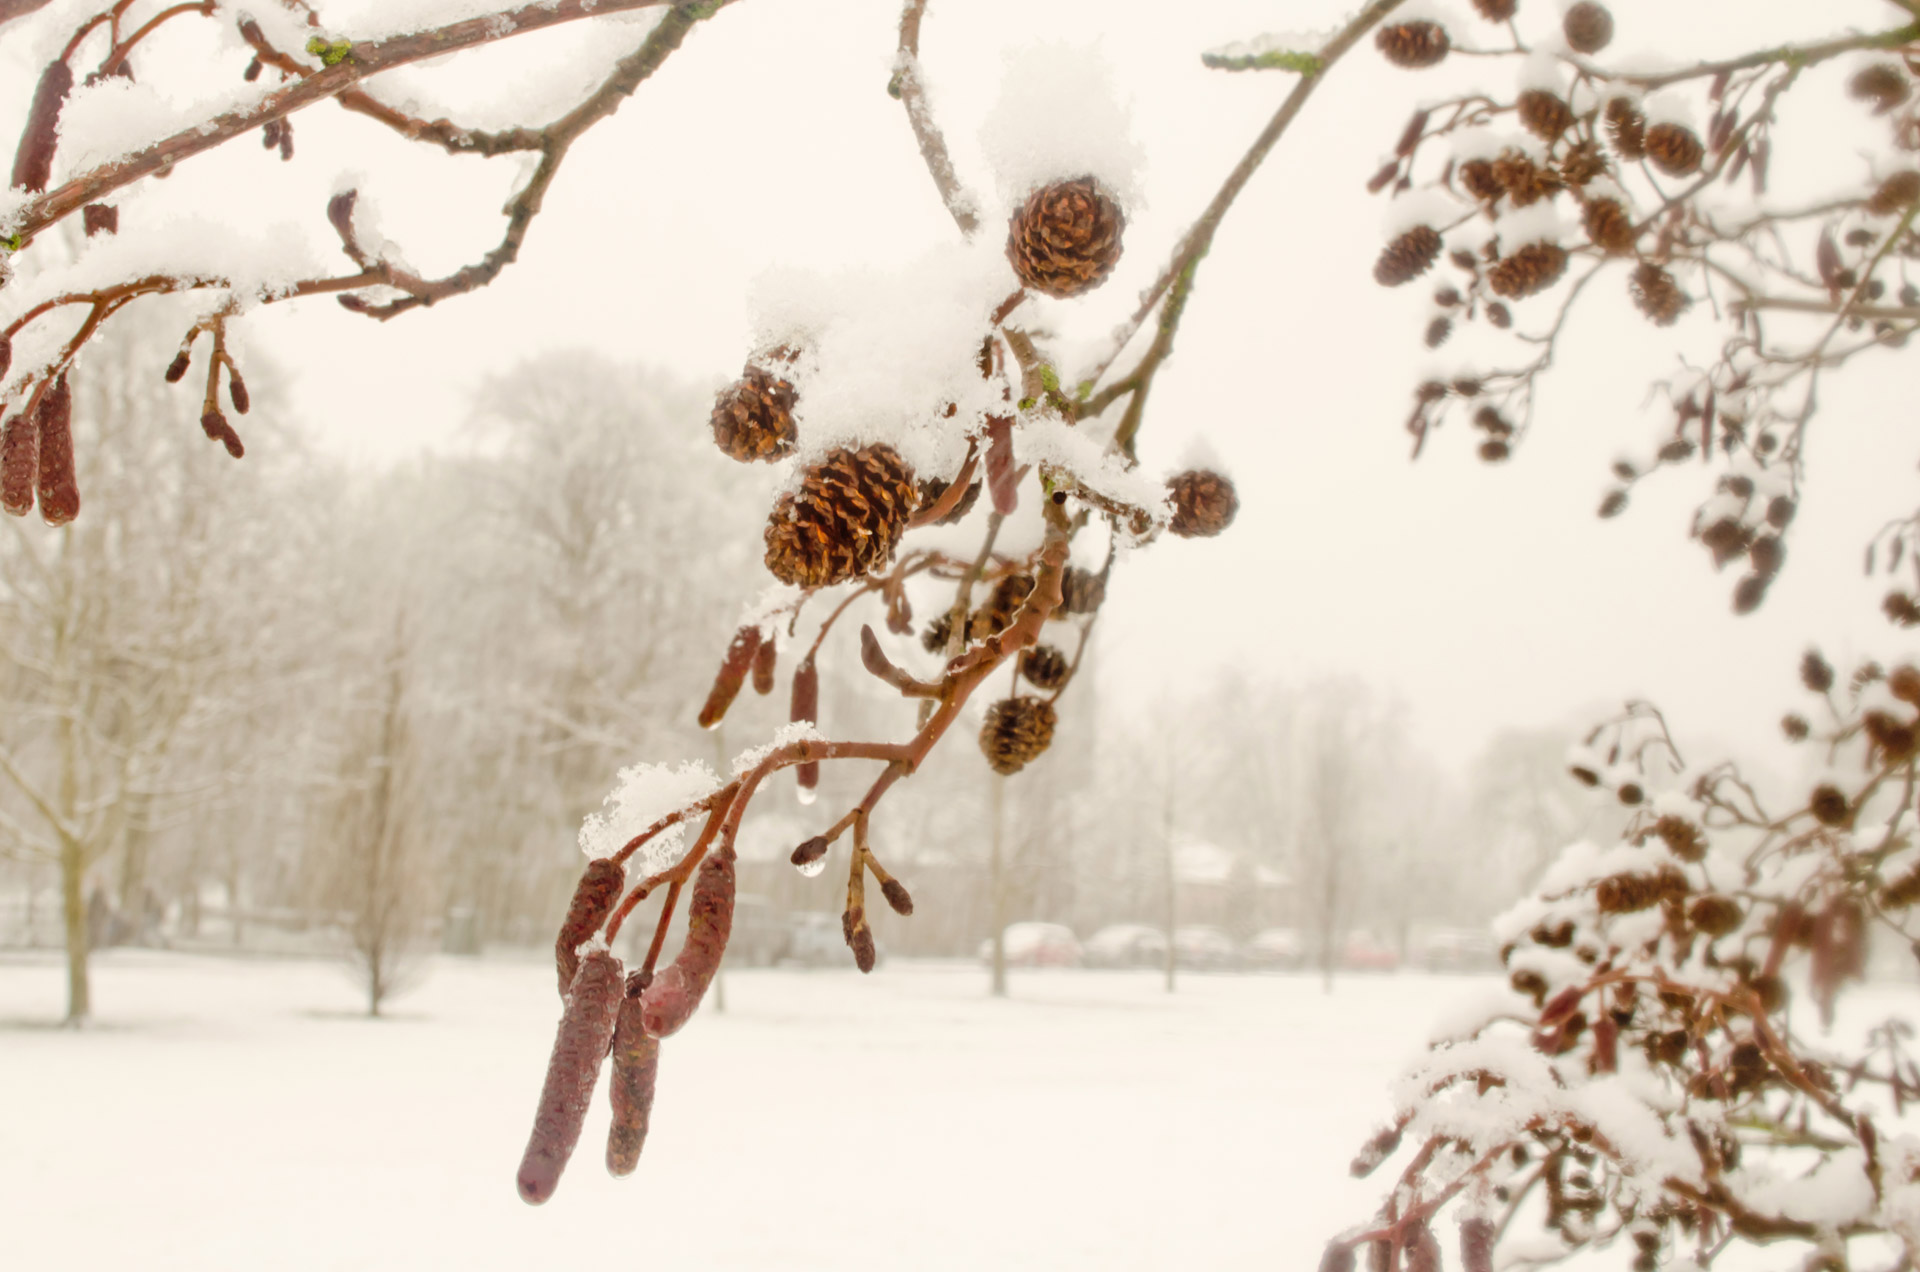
pixel 997 886
pixel 73 909
pixel 1173 898
pixel 1329 928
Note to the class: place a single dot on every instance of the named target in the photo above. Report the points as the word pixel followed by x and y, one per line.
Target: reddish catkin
pixel 586 1030
pixel 806 706
pixel 59 488
pixel 733 674
pixel 636 1063
pixel 765 660
pixel 19 464
pixel 1476 1245
pixel 593 900
pixel 675 994
pixel 33 162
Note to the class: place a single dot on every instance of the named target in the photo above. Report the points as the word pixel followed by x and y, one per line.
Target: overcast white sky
pixel 1484 597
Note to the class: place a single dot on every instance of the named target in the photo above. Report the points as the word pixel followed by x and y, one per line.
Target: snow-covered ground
pixel 232 1114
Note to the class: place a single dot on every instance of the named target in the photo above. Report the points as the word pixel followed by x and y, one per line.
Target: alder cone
pixel 1530 270
pixel 1413 45
pixel 1610 226
pixel 1656 295
pixel 1897 193
pixel 845 519
pixel 1674 149
pixel 1588 27
pixel 1524 181
pixel 753 417
pixel 1045 667
pixel 1204 503
pixel 1496 10
pixel 1626 128
pixel 1065 239
pixel 1081 591
pixel 1017 731
pixel 1883 84
pixel 1407 257
pixel 1477 179
pixel 1582 163
pixel 934 639
pixel 1543 114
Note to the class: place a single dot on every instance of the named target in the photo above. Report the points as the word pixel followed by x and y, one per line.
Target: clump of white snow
pixel 1059 116
pixel 644 794
pixel 785 735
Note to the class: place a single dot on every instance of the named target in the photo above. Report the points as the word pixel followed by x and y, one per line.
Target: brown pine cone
pixel 1413 45
pixel 1582 163
pixel 1081 591
pixel 1896 194
pixel 1477 179
pixel 1204 503
pixel 1626 128
pixel 1610 226
pixel 1407 257
pixel 1496 10
pixel 994 617
pixel 1524 181
pixel 1016 732
pixel 1044 667
pixel 753 417
pixel 1065 239
pixel 1532 269
pixel 1674 149
pixel 1588 27
pixel 845 519
pixel 1543 114
pixel 1656 295
pixel 1882 83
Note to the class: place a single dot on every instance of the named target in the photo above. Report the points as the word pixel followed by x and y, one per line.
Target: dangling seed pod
pixel 1044 667
pixel 593 900
pixel 1610 226
pixel 1528 271
pixel 1413 45
pixel 1477 179
pixel 1626 128
pixel 1016 732
pixel 1082 591
pixel 59 489
pixel 1496 10
pixel 1407 257
pixel 1204 503
pixel 1656 295
pixel 1438 329
pixel 676 992
pixel 1065 239
pixel 586 1030
pixel 1588 27
pixel 739 659
pixel 845 519
pixel 1524 181
pixel 753 417
pixel 1883 84
pixel 1543 114
pixel 19 464
pixel 1896 194
pixel 1674 149
pixel 636 1065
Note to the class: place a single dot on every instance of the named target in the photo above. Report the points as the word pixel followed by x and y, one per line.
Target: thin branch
pixel 912 93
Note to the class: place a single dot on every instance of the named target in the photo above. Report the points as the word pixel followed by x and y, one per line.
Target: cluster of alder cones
pixel 850 509
pixel 1575 161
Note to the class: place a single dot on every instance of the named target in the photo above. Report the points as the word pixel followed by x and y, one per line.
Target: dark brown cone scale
pixel 1524 181
pixel 1496 10
pixel 753 417
pixel 1065 239
pixel 1081 591
pixel 934 638
pixel 1204 503
pixel 1413 45
pixel 845 519
pixel 1017 731
pixel 1896 193
pixel 1407 257
pixel 1044 667
pixel 1543 114
pixel 1533 268
pixel 1477 179
pixel 1674 149
pixel 1610 226
pixel 1656 295
pixel 1626 128
pixel 1582 163
pixel 1588 27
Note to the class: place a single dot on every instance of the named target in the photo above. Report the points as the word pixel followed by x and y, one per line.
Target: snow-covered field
pixel 230 1114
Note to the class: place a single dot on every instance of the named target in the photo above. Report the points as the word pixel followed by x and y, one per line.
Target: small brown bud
pixel 1829 806
pixel 1795 727
pixel 810 851
pixel 1715 915
pixel 177 369
pixel 897 896
pixel 1816 673
pixel 237 391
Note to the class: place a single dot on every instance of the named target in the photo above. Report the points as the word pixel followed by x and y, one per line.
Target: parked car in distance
pixel 1204 949
pixel 814 939
pixel 1031 944
pixel 1454 950
pixel 1365 952
pixel 1126 945
pixel 1276 949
